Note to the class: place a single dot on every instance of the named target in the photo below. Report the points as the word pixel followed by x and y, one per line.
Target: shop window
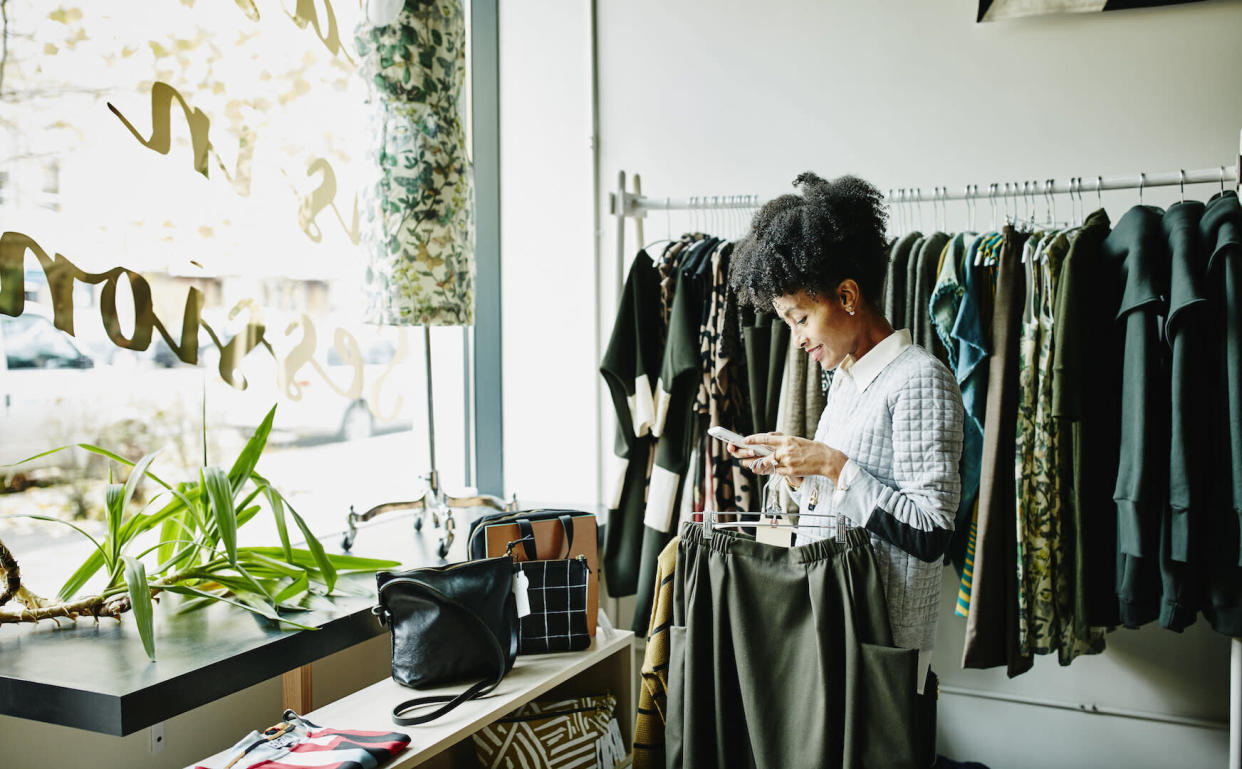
pixel 215 151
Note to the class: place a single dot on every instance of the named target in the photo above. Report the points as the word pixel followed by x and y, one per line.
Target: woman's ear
pixel 849 296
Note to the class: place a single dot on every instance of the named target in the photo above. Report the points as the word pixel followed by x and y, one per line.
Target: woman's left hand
pixel 792 457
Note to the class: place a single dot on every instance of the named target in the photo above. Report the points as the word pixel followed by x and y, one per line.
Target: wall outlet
pixel 157 738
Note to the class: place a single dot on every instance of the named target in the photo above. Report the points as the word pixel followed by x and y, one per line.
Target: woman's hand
pixel 791 457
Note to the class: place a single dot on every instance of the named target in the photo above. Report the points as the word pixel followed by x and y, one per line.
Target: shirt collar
pixel 864 370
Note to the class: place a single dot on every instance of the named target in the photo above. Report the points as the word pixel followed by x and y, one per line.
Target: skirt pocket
pixel 880 712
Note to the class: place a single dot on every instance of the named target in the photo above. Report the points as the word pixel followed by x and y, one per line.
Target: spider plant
pixel 196 552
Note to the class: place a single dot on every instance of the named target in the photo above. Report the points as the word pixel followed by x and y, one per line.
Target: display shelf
pixel 607 665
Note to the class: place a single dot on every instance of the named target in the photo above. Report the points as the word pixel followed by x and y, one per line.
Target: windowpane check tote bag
pixel 558 534
pixel 557 594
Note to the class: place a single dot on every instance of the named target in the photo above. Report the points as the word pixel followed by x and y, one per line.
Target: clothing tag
pixel 772 535
pixel 520 586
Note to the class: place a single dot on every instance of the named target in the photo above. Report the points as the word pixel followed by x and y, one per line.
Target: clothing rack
pixel 624 204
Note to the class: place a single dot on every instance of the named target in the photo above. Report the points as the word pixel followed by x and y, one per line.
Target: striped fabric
pixel 557 592
pixel 580 733
pixel 968 568
pixel 653 696
pixel 297 743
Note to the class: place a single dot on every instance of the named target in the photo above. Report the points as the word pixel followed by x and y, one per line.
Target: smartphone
pixel 728 436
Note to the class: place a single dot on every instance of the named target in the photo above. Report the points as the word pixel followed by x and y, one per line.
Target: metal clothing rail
pixel 636 205
pixel 624 204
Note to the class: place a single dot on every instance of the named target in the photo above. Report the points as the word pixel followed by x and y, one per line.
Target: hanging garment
pixel 992 624
pixel 630 365
pixel 648 749
pixel 1051 551
pixel 947 292
pixel 1185 332
pixel 1138 252
pixel 896 413
pixel 1024 447
pixel 803 395
pixel 1221 228
pixel 417 228
pixel 910 304
pixel 972 335
pixel 677 422
pixel 765 340
pixel 724 372
pixel 1086 378
pixel 895 282
pixel 921 329
pixel 741 695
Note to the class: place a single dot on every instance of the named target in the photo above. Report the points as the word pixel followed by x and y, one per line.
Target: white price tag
pixel 773 535
pixel 520 587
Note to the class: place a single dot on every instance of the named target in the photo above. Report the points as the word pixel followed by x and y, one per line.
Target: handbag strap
pixel 451 701
pixel 527 532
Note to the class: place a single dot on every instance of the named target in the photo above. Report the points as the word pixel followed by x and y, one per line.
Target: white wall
pixel 732 97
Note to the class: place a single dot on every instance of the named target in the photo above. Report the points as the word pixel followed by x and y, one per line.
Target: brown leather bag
pixel 553 529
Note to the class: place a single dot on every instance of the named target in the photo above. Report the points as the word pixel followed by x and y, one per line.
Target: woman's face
pixel 819 325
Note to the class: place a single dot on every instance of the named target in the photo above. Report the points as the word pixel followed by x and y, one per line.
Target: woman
pixel 885 454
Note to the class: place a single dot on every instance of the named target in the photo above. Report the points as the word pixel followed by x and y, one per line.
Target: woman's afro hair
pixel 833 231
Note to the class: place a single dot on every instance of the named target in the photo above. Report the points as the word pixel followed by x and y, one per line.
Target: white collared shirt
pixel 864 370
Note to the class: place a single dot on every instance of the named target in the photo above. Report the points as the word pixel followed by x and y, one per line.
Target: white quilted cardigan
pixel 897 414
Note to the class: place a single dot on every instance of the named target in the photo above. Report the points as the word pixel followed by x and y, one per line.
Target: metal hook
pixel 1222 179
pixel 1050 201
pixel 1099 182
pixel 1181 180
pixel 992 200
pixel 1142 182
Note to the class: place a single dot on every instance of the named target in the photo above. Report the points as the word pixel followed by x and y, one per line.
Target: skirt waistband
pixel 732 542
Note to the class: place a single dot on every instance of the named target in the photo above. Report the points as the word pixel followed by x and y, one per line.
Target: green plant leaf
pixel 135 477
pixel 244 514
pixel 220 497
pixel 171 531
pixel 113 498
pixel 262 589
pixel 283 568
pixel 36 456
pixel 245 463
pixel 93 563
pixel 140 600
pixel 98 547
pixel 342 563
pixel 261 610
pixel 161 545
pixel 118 458
pixel 278 510
pixel 299 587
pixel 322 563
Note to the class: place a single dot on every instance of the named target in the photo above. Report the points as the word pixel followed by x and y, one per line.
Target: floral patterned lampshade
pixel 417 214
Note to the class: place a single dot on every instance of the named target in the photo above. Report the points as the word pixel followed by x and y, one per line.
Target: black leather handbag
pixel 449 624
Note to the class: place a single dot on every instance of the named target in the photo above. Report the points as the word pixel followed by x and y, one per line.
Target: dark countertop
pixel 96 676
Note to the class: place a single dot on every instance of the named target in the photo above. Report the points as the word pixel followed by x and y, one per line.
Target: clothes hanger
pixel 1142 182
pixel 1181 181
pixel 668 229
pixel 770 515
